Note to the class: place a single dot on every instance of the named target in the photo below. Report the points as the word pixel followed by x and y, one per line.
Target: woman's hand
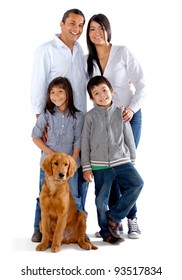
pixel 127 114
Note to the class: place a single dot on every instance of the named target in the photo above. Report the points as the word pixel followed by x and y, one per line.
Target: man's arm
pixel 40 73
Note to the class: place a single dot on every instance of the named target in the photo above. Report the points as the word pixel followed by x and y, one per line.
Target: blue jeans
pixel 79 194
pixel 82 188
pixel 136 125
pixel 126 176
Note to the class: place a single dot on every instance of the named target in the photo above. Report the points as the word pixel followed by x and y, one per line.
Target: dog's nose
pixel 61 175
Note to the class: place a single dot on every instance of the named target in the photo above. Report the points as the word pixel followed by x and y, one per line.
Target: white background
pixel 152 31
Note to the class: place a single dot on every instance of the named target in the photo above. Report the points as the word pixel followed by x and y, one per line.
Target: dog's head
pixel 59 166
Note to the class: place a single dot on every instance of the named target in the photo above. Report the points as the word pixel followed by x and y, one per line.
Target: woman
pixel 124 73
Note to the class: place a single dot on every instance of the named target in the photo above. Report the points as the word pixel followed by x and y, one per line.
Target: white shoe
pixel 133 229
pixel 97 234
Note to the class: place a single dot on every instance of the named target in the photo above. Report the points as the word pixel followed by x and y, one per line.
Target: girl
pixel 64 124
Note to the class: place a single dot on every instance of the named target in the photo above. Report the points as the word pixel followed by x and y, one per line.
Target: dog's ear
pixel 72 167
pixel 47 165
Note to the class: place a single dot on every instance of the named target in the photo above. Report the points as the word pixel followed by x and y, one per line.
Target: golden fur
pixel 61 223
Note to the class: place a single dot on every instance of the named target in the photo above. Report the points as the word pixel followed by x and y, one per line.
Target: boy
pixel 108 151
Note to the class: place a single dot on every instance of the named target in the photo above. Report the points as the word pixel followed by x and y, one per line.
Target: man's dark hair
pixel 73 11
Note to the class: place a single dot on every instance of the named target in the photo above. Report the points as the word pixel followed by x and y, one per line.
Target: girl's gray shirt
pixel 64 132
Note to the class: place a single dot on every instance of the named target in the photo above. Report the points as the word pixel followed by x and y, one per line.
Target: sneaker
pixel 37 236
pixel 97 234
pixel 133 229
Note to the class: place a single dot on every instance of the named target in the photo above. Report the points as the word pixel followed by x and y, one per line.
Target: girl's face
pixel 102 95
pixel 97 34
pixel 58 96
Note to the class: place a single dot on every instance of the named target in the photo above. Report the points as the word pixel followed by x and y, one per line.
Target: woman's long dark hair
pixel 92 53
pixel 65 84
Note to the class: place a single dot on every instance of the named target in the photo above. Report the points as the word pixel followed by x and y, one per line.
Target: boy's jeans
pixel 127 176
pixel 136 125
pixel 79 193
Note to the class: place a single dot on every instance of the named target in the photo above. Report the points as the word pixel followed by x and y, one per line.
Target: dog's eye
pixel 55 163
pixel 65 164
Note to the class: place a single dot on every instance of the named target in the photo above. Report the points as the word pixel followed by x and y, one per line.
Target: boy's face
pixel 102 95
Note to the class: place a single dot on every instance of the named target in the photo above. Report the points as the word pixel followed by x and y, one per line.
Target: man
pixel 63 56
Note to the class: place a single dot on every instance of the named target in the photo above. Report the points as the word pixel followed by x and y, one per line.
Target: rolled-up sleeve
pixel 136 76
pixel 39 127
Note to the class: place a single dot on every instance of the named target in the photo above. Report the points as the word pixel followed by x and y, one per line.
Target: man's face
pixel 72 28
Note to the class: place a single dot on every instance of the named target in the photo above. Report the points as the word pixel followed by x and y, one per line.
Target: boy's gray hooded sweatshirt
pixel 106 139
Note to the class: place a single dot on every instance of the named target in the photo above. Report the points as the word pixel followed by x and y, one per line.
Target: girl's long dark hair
pixel 92 53
pixel 65 84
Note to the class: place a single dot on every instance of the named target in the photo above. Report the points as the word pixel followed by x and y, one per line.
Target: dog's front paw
pixel 41 247
pixel 94 247
pixel 55 248
pixel 85 245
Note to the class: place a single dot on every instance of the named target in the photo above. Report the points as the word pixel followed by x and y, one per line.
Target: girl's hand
pixel 88 176
pixel 127 114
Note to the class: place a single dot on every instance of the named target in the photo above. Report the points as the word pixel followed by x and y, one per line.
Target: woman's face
pixel 97 33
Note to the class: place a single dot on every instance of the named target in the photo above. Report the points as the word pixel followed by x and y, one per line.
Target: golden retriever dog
pixel 60 223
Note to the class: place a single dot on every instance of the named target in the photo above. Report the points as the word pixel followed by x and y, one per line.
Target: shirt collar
pixel 59 113
pixel 60 44
pixel 104 109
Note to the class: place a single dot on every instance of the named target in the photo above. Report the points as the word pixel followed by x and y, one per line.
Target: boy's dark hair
pixel 104 22
pixel 96 81
pixel 65 84
pixel 73 11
